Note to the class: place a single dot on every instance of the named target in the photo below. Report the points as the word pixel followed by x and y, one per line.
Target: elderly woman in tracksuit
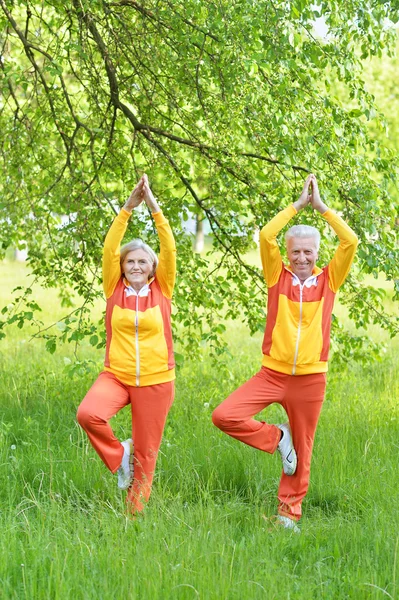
pixel 295 347
pixel 139 366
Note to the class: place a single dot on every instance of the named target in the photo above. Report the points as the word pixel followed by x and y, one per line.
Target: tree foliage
pixel 227 106
pixel 382 79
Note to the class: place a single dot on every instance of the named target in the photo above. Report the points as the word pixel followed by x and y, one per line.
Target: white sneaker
pixel 126 470
pixel 287 450
pixel 288 523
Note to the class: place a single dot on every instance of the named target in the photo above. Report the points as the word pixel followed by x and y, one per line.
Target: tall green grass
pixel 208 530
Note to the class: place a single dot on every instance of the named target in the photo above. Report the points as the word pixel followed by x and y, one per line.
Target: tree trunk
pixel 199 234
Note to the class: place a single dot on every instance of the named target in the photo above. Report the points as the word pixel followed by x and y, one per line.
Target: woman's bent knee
pixel 218 418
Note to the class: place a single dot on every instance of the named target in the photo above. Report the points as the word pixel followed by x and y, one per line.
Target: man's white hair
pixel 140 245
pixel 303 231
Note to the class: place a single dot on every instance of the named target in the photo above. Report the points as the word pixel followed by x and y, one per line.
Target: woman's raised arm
pixel 166 270
pixel 111 255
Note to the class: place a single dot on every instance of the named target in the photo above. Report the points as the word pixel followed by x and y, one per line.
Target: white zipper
pixel 299 327
pixel 130 292
pixel 137 342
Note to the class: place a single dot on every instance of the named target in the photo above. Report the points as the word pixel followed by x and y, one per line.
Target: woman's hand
pixel 136 197
pixel 148 196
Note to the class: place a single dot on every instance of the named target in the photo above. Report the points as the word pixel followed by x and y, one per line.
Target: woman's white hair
pixel 140 245
pixel 303 231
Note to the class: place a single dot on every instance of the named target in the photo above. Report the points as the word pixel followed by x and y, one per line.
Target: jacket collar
pixel 144 291
pixel 311 280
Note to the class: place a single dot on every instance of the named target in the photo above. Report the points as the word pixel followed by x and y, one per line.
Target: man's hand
pixel 305 197
pixel 136 197
pixel 148 196
pixel 315 199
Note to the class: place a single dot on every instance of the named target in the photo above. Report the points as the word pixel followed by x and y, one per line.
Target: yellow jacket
pixel 139 348
pixel 297 334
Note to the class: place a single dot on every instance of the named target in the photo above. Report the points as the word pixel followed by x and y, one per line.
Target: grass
pixel 208 531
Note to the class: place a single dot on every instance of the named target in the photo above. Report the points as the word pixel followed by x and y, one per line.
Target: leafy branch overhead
pixel 226 106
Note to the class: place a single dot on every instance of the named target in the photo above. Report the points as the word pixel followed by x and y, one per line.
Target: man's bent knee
pixel 82 417
pixel 220 419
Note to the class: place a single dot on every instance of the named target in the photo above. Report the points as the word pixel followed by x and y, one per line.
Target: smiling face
pixel 302 254
pixel 137 267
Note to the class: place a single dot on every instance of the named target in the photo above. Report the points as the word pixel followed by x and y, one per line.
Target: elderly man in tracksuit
pixel 295 347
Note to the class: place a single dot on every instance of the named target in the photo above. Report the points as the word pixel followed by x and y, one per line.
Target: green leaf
pixel 51 345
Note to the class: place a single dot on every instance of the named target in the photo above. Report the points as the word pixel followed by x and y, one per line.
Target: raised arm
pixel 341 262
pixel 269 251
pixel 111 256
pixel 166 270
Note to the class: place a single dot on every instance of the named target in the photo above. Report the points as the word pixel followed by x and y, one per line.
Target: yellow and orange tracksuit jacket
pixel 139 348
pixel 297 335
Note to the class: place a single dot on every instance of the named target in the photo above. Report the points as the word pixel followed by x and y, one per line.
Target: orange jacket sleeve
pixel 166 270
pixel 340 264
pixel 111 256
pixel 269 251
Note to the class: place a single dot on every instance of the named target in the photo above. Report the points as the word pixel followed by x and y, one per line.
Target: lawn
pixel 208 531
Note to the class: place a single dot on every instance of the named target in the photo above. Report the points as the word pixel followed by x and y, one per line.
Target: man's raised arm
pixel 269 250
pixel 341 262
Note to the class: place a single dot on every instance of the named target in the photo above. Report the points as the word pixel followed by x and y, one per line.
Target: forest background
pixel 227 106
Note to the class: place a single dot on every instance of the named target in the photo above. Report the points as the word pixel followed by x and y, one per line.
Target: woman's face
pixel 137 267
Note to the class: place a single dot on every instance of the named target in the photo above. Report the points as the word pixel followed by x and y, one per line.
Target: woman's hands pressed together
pixel 136 197
pixel 142 192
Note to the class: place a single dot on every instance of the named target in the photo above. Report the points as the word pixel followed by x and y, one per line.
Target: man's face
pixel 302 254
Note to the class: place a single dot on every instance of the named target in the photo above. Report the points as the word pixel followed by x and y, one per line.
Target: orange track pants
pixel 302 397
pixel 149 405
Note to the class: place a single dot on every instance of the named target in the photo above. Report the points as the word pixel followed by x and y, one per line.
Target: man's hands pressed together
pixel 310 195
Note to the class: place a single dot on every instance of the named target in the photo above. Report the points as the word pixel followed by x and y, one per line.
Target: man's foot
pixel 287 450
pixel 125 471
pixel 288 523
